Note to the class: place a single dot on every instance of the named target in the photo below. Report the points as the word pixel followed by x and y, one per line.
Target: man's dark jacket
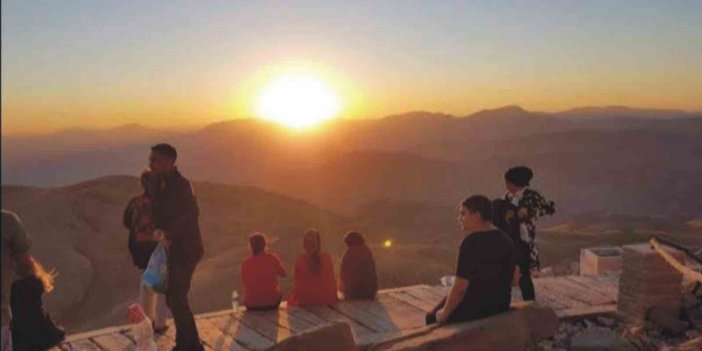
pixel 177 215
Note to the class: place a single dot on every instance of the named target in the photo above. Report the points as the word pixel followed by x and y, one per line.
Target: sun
pixel 298 101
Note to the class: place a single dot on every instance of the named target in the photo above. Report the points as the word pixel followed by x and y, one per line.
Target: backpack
pixel 143 219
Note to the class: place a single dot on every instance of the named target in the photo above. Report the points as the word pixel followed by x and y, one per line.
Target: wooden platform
pixel 395 312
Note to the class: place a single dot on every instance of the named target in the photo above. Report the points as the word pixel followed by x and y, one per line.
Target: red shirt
pixel 310 288
pixel 260 276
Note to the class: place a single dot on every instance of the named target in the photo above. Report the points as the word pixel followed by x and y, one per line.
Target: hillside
pixel 77 229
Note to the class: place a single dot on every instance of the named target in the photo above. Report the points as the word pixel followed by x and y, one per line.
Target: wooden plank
pixel 286 320
pixel 591 293
pixel 438 291
pixel 114 341
pixel 243 335
pixel 363 317
pixel 425 295
pixel 544 297
pixel 301 313
pixel 329 315
pixel 404 315
pixel 608 286
pixel 263 326
pixel 164 342
pixel 558 293
pixel 213 337
pixel 376 309
pixel 420 304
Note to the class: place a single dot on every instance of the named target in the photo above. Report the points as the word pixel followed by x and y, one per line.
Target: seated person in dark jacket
pixel 32 328
pixel 359 279
pixel 485 268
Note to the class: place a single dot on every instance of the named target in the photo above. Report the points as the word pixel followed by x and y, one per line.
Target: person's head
pixel 517 178
pixel 33 268
pixel 162 158
pixel 149 182
pixel 313 248
pixel 257 243
pixel 312 242
pixel 475 212
pixel 353 238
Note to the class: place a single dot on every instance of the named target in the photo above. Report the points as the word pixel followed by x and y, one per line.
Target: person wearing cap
pixel 527 205
pixel 358 277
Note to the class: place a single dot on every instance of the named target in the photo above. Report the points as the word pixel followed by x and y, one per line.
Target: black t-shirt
pixel 486 259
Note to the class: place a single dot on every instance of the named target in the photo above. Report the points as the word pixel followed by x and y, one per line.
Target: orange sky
pixel 99 66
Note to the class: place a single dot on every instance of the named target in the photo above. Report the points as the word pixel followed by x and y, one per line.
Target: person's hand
pixel 160 236
pixel 522 213
pixel 441 316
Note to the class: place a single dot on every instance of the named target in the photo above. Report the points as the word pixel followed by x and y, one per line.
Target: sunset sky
pixel 99 64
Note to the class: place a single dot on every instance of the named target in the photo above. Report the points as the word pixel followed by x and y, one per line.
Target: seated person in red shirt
pixel 314 282
pixel 259 273
pixel 359 280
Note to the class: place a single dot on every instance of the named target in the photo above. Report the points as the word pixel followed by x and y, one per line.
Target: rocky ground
pixel 681 330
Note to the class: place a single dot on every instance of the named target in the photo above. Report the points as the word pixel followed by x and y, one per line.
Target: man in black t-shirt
pixel 485 270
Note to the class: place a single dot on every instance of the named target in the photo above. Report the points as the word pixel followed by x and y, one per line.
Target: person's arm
pixel 281 269
pixel 127 215
pixel 180 212
pixel 465 268
pixel 455 296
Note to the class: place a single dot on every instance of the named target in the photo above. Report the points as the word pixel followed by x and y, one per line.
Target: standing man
pixel 484 271
pixel 15 251
pixel 176 213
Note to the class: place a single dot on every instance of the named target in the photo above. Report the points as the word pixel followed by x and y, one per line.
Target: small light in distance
pixel 387 244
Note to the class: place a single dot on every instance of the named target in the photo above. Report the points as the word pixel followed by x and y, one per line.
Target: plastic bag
pixel 156 272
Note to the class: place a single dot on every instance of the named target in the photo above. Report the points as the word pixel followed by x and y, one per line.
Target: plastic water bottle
pixel 142 328
pixel 448 280
pixel 235 301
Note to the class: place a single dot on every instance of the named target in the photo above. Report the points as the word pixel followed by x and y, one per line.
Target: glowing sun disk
pixel 298 101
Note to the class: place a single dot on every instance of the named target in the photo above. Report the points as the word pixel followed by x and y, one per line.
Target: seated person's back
pixel 486 259
pixel 259 273
pixel 314 282
pixel 359 279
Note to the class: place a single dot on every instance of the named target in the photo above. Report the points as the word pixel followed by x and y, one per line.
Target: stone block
pixel 516 330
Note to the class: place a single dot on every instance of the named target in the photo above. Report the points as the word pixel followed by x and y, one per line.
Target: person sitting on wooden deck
pixel 314 282
pixel 359 280
pixel 485 268
pixel 259 273
pixel 32 327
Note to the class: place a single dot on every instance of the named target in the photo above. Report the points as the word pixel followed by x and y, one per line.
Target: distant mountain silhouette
pixel 419 156
pixel 609 112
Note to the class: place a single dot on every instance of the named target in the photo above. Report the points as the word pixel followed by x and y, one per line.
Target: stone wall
pixel 646 281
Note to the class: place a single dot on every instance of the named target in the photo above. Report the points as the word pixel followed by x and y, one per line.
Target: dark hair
pixel 353 238
pixel 313 235
pixel 165 150
pixel 257 241
pixel 519 176
pixel 480 204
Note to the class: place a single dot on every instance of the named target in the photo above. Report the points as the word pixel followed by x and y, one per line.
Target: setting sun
pixel 298 101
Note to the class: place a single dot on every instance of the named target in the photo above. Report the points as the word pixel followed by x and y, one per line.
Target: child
pixel 528 206
pixel 33 328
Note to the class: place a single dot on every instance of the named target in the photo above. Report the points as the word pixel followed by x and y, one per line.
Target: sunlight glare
pixel 298 101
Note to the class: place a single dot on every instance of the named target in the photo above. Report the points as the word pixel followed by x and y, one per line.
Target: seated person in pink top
pixel 259 273
pixel 314 282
